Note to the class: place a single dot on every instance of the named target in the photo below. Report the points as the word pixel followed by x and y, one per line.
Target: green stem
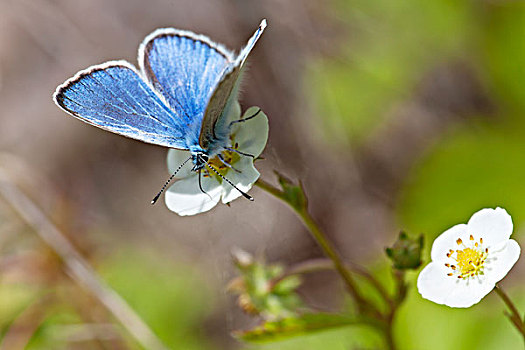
pixel 329 251
pixel 270 189
pixel 389 336
pixel 321 240
pixel 401 291
pixel 401 287
pixel 514 316
pixel 371 315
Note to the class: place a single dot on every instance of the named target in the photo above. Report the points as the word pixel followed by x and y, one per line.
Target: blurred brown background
pixel 97 186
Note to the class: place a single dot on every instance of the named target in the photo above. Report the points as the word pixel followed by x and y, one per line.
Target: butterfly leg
pixel 223 161
pixel 200 184
pixel 245 119
pixel 239 152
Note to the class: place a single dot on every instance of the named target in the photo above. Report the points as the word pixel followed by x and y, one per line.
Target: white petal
pixel 499 263
pixel 185 197
pixel 468 292
pixel 175 159
pixel 243 181
pixel 223 123
pixel 493 225
pixel 434 284
pixel 252 134
pixel 447 240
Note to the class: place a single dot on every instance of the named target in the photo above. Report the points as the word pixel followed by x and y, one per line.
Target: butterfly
pixel 185 85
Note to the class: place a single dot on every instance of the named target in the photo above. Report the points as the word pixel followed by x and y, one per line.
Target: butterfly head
pixel 199 160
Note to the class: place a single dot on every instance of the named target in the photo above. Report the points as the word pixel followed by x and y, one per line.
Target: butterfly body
pixel 178 99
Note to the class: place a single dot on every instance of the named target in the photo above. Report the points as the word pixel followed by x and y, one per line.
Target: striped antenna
pixel 244 194
pixel 154 200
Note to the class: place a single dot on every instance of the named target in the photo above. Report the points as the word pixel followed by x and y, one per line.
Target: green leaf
pixel 293 194
pixel 287 285
pixel 294 326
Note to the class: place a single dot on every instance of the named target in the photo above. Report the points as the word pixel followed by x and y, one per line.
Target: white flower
pixel 185 197
pixel 469 259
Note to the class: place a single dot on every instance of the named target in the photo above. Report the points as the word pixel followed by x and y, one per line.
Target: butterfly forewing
pixel 112 96
pixel 225 92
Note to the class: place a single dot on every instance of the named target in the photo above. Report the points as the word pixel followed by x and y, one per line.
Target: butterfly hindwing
pixel 112 96
pixel 225 94
pixel 185 69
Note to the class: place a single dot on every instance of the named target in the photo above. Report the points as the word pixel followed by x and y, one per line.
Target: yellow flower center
pixel 229 157
pixel 469 260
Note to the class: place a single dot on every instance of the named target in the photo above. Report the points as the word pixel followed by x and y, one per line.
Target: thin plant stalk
pixel 371 315
pixel 77 267
pixel 514 315
pixel 320 238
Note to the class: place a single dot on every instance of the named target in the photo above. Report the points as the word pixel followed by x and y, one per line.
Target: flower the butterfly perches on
pixel 469 259
pixel 185 197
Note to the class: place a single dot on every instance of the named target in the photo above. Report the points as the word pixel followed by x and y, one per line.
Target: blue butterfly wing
pixel 212 135
pixel 185 69
pixel 112 96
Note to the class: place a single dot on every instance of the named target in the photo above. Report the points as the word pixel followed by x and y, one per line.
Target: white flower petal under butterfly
pixel 184 197
pixel 469 259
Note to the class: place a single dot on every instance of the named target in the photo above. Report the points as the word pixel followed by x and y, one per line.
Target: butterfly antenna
pixel 244 194
pixel 154 200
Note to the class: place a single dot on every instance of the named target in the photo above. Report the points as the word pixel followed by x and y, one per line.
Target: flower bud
pixel 264 289
pixel 406 252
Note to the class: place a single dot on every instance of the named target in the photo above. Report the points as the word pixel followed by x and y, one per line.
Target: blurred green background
pixel 396 114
